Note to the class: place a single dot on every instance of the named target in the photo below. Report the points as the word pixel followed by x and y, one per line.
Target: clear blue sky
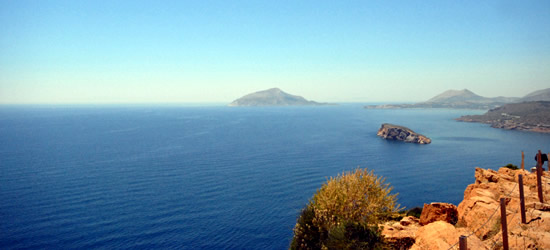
pixel 216 51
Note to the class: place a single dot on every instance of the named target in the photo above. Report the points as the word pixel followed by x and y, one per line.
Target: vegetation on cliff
pixel 345 213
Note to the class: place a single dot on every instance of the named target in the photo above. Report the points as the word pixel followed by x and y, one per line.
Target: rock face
pixel 438 211
pixel 482 198
pixel 478 216
pixel 400 133
pixel 273 97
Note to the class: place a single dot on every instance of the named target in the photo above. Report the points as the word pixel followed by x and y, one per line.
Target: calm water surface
pixel 217 177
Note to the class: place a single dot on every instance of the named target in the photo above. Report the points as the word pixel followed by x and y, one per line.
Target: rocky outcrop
pixel 479 216
pixel 438 211
pixel 400 133
pixel 481 199
pixel 402 234
pixel 442 235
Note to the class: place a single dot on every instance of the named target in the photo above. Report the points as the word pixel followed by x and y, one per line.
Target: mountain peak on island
pixel 272 97
pixel 455 95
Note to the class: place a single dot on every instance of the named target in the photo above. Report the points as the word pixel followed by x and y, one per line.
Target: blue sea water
pixel 217 177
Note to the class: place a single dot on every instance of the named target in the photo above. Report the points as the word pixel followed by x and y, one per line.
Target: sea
pixel 216 177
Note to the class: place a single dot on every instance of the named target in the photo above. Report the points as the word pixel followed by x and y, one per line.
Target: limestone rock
pixel 479 216
pixel 482 199
pixel 438 211
pixel 442 235
pixel 402 234
pixel 400 133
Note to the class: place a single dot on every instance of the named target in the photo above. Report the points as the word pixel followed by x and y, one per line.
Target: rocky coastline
pixel 527 116
pixel 510 124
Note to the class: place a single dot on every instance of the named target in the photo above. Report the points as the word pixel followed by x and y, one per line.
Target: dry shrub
pixel 346 212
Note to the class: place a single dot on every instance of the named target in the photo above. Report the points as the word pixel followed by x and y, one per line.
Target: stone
pixel 438 211
pixel 402 234
pixel 479 216
pixel 479 211
pixel 442 235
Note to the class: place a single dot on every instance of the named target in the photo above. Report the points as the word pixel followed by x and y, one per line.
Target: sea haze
pixel 218 177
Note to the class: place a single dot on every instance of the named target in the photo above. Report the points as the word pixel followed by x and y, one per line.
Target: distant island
pixel 528 116
pixel 400 133
pixel 273 97
pixel 466 99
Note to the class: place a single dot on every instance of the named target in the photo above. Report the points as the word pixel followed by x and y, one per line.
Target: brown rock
pixel 479 216
pixel 479 211
pixel 409 220
pixel 442 235
pixel 401 235
pixel 438 211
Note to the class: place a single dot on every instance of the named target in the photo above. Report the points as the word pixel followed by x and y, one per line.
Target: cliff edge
pixel 479 216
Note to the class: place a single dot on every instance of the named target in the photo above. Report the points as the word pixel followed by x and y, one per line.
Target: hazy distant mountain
pixel 539 95
pixel 466 96
pixel 452 95
pixel 273 97
pixel 460 99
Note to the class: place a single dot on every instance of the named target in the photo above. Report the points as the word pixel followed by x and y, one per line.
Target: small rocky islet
pixel 399 133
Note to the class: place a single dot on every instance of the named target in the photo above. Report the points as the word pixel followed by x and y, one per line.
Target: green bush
pixel 353 235
pixel 415 211
pixel 306 234
pixel 511 166
pixel 345 213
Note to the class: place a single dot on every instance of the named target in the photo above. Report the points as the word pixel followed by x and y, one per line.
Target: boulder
pixel 439 211
pixel 442 235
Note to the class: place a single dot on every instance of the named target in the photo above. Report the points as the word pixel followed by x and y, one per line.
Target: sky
pixel 217 51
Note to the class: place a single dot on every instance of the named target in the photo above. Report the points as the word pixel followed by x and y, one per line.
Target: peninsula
pixel 528 116
pixel 273 97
